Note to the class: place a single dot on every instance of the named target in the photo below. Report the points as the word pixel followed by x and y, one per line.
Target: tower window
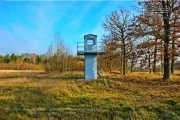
pixel 90 42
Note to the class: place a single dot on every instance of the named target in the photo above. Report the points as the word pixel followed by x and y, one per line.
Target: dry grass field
pixel 28 95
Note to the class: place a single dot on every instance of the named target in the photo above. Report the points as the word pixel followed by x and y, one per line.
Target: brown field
pixel 38 95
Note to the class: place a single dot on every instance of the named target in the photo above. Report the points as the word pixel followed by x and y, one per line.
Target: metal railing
pixel 89 48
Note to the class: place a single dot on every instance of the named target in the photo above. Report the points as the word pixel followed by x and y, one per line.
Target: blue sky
pixel 29 26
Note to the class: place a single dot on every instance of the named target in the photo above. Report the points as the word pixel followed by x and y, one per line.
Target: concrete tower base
pixel 90 66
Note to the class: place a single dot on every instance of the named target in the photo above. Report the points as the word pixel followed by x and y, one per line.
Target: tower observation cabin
pixel 90 48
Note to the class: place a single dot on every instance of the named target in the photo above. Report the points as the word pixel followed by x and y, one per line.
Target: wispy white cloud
pixel 30 26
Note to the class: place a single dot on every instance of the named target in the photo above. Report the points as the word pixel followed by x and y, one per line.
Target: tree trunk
pixel 121 65
pixel 166 75
pixel 166 19
pixel 149 60
pixel 172 57
pixel 132 63
pixel 124 53
pixel 155 53
pixel 124 61
pixel 161 69
pixel 110 64
pixel 149 56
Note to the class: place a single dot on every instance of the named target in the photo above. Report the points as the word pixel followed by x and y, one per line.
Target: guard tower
pixel 90 49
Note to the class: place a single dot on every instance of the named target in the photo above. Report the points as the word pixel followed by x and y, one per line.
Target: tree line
pixel 25 61
pixel 49 63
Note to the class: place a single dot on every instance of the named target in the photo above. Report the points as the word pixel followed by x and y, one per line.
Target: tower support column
pixel 90 66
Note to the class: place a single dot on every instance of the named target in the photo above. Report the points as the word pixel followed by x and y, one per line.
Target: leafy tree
pixel 1 59
pixel 38 59
pixel 7 58
pixel 13 57
pixel 27 60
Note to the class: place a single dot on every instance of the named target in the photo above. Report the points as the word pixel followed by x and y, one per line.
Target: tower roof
pixel 90 35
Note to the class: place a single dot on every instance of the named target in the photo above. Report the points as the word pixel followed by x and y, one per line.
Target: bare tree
pixel 57 55
pixel 111 55
pixel 164 9
pixel 117 25
pixel 174 43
